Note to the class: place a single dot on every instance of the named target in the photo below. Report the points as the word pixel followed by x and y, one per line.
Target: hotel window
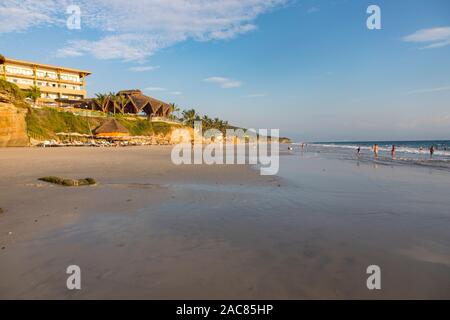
pixel 25 81
pixel 70 78
pixel 17 70
pixel 46 74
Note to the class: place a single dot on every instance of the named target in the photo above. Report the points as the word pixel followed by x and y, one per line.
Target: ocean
pixel 407 152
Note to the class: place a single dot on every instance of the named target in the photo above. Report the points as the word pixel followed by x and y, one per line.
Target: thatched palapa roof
pixel 134 102
pixel 145 103
pixel 112 128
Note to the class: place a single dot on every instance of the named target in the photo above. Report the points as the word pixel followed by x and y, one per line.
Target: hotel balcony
pixel 56 90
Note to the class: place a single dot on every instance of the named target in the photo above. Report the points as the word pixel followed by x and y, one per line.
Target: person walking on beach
pixel 431 151
pixel 393 151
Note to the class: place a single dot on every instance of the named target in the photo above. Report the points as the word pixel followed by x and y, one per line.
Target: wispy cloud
pixel 128 47
pixel 22 15
pixel 143 68
pixel 225 83
pixel 313 10
pixel 176 93
pixel 433 38
pixel 429 90
pixel 155 89
pixel 136 29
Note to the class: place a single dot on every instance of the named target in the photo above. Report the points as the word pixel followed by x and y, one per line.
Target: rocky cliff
pixel 13 110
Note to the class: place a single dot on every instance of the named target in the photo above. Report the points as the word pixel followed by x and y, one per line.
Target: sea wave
pixel 398 149
pixel 407 153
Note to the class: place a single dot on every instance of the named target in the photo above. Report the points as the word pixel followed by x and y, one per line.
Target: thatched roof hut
pixel 112 128
pixel 138 102
pixel 128 101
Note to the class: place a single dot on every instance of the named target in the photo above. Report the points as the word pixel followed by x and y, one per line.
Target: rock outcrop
pixel 13 127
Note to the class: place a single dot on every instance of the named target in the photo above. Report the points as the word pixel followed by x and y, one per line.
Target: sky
pixel 311 68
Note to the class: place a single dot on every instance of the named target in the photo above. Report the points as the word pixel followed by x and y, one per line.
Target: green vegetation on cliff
pixel 10 93
pixel 143 127
pixel 46 122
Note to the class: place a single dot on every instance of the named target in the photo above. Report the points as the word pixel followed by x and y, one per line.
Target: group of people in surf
pixel 375 149
pixel 302 146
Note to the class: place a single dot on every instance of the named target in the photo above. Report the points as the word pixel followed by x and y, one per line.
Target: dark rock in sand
pixel 69 182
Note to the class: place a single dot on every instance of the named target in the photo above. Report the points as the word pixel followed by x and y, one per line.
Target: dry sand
pixel 150 229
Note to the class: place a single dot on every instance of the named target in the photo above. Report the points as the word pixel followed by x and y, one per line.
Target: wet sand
pixel 152 230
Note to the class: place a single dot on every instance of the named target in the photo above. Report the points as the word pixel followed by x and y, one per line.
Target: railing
pixel 164 119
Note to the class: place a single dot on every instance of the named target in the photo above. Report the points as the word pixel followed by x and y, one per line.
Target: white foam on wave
pixel 399 149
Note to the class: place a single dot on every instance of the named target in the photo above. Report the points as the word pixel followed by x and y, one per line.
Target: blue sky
pixel 311 68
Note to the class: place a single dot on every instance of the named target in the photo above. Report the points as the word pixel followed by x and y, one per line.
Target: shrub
pixel 11 90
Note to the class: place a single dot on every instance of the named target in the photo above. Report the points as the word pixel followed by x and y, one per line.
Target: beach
pixel 153 230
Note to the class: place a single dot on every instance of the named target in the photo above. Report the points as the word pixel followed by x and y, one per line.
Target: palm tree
pixel 189 116
pixel 101 100
pixel 207 122
pixel 174 109
pixel 34 93
pixel 113 98
pixel 122 101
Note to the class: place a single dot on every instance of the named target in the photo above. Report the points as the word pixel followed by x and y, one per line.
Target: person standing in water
pixel 358 151
pixel 375 150
pixel 431 151
pixel 393 151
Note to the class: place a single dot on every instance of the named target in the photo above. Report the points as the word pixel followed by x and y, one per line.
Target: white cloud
pixel 69 52
pixel 224 83
pixel 232 32
pixel 176 93
pixel 17 16
pixel 136 29
pixel 129 47
pixel 155 89
pixel 143 68
pixel 434 37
